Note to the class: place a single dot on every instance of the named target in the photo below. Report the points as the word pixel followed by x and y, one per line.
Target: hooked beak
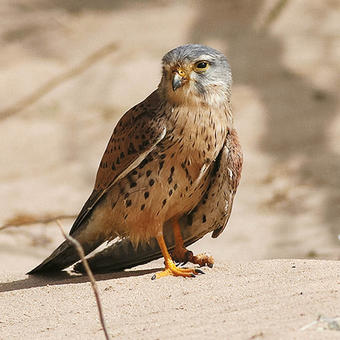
pixel 177 81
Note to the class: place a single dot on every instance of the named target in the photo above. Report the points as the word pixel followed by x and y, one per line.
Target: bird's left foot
pixel 172 270
pixel 183 255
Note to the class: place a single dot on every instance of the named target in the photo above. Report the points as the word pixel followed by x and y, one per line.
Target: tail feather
pixel 64 256
pixel 61 258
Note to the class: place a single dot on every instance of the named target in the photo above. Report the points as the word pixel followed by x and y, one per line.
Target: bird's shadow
pixel 64 277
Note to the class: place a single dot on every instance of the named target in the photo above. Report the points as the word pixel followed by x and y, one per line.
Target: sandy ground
pixel 270 299
pixel 286 105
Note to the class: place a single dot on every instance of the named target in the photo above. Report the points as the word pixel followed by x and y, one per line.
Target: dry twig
pixel 81 253
pixel 56 81
pixel 274 13
pixel 27 219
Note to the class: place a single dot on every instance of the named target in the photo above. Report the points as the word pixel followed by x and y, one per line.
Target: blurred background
pixel 70 68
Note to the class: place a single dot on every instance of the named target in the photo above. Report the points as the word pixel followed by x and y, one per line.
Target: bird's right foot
pixel 183 255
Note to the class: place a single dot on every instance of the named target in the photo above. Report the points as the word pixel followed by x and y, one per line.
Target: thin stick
pixel 274 13
pixel 23 220
pixel 81 253
pixel 56 81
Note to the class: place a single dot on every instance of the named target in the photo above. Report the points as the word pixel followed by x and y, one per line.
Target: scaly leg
pixel 181 254
pixel 170 267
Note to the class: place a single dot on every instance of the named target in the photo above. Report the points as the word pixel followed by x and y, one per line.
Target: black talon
pixel 192 275
pixel 199 271
pixel 210 265
pixel 153 277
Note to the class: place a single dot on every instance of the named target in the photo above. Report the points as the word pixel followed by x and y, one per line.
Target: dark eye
pixel 201 66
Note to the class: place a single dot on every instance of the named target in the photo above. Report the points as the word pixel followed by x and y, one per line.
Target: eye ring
pixel 201 66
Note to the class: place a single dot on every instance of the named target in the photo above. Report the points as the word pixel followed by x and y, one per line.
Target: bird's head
pixel 196 74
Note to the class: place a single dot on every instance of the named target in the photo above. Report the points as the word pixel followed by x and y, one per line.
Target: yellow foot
pixel 182 255
pixel 172 270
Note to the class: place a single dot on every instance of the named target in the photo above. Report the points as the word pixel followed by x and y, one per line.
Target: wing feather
pixel 134 137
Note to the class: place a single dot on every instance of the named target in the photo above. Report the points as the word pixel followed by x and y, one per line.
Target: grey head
pixel 196 74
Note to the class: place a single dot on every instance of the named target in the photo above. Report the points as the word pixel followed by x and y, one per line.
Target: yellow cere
pixel 181 72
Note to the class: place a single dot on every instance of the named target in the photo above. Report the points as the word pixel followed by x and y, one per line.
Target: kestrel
pixel 169 173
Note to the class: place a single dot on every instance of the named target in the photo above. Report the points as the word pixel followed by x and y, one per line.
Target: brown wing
pixel 134 137
pixel 230 169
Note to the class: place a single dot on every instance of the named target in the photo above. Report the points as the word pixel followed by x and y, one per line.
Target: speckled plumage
pixel 159 162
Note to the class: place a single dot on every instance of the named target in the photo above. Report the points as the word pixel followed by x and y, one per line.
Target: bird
pixel 172 159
